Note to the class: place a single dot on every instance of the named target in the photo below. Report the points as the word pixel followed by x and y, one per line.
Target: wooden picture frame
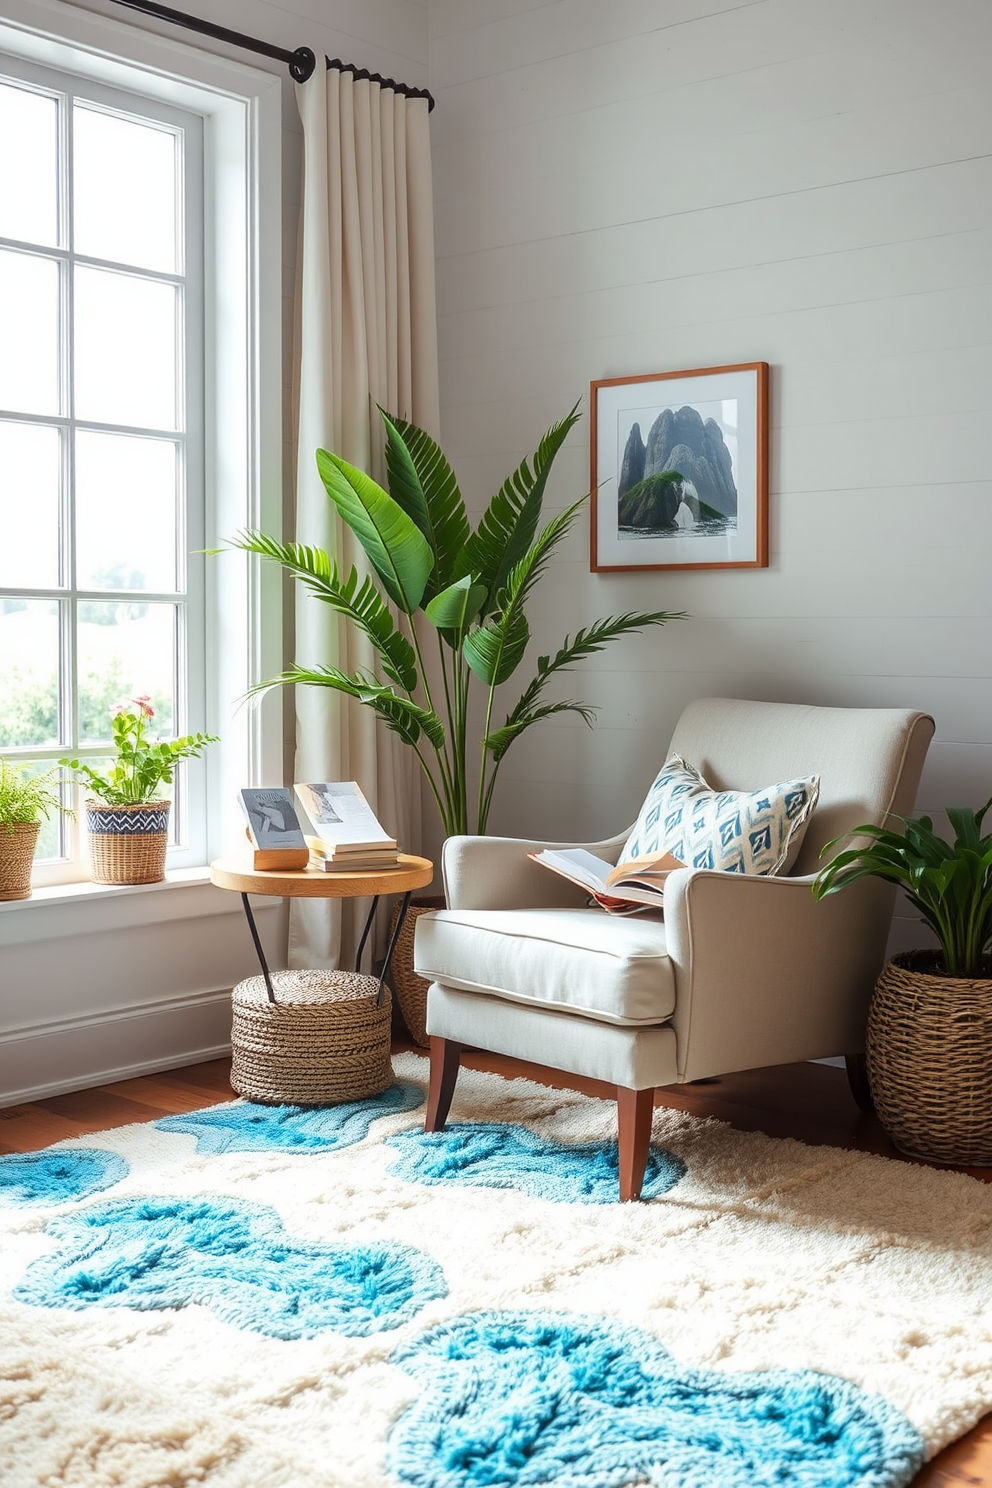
pixel 647 513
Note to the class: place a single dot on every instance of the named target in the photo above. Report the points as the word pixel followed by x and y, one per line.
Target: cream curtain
pixel 366 335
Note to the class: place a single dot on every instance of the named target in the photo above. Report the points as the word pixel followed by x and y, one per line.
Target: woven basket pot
pixel 411 989
pixel 929 1052
pixel 127 843
pixel 17 844
pixel 323 1040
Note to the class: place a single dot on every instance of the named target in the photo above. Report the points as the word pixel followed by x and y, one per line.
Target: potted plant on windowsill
pixel 128 821
pixel 25 799
pixel 929 1037
pixel 461 593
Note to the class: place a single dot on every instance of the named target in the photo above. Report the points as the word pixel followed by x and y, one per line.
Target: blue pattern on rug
pixel 234 1257
pixel 247 1127
pixel 518 1399
pixel 500 1154
pixel 58 1175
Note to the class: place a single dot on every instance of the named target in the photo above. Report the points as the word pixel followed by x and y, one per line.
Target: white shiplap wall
pixel 660 184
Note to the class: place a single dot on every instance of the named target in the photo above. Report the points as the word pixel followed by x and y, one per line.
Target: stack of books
pixel 345 836
pixel 335 832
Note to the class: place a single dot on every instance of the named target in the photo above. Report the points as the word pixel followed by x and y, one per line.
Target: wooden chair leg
pixel 445 1057
pixel 635 1109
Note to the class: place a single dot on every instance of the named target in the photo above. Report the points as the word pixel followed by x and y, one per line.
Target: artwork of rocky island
pixel 680 480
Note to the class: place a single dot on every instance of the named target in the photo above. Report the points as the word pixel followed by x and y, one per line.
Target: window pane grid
pixel 99 632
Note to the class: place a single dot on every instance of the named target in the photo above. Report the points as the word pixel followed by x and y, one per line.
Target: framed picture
pixel 680 470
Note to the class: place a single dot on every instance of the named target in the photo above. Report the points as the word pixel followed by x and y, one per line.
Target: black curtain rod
pixel 301 63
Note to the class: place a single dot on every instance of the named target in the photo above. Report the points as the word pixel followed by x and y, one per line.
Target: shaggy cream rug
pixel 252 1297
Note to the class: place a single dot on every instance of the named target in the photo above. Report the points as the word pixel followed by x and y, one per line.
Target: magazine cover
pixel 272 818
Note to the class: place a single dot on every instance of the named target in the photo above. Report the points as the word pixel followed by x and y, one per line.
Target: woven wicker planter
pixel 17 844
pixel 127 843
pixel 323 1040
pixel 930 1061
pixel 411 989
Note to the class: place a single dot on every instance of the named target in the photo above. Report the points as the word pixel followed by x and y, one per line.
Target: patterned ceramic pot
pixel 127 843
pixel 17 844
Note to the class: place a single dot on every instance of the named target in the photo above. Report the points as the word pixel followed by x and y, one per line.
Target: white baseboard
pixel 77 1052
pixel 111 1076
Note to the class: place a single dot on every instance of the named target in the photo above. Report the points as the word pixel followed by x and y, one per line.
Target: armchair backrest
pixel 869 760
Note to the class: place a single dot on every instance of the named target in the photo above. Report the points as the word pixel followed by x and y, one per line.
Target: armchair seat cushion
pixel 574 960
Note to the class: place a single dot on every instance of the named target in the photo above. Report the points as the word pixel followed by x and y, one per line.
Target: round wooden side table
pixel 324 1038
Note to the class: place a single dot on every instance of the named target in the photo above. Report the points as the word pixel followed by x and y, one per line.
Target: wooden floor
pixel 807 1101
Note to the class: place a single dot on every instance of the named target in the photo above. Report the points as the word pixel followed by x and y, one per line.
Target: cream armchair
pixel 741 972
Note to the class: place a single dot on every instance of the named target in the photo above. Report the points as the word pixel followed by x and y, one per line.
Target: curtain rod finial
pixel 302 64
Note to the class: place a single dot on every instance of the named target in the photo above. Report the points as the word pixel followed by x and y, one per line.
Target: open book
pixel 629 888
pixel 344 832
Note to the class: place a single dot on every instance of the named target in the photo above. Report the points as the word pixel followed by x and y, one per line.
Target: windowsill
pixel 63 911
pixel 80 892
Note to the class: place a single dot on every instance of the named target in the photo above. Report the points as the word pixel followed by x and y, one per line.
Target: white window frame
pixel 241 111
pixel 189 815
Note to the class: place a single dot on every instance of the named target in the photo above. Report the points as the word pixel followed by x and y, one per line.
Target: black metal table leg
pixel 258 947
pixel 365 934
pixel 392 942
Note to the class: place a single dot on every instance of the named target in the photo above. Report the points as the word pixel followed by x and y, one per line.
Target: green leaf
pixel 525 574
pixel 424 485
pixel 355 597
pixel 26 797
pixel 394 545
pixel 400 714
pixel 494 651
pixel 587 642
pixel 510 521
pixel 499 740
pixel 949 884
pixel 457 606
pixel 967 824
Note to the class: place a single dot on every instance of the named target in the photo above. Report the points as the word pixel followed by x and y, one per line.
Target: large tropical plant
pixel 950 883
pixel 471 587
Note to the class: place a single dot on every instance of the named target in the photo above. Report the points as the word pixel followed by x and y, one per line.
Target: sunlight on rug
pixel 277 1297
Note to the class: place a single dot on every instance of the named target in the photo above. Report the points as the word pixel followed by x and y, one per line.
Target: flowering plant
pixel 143 765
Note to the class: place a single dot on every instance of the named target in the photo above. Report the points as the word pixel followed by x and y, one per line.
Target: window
pixel 101 431
pixel 228 611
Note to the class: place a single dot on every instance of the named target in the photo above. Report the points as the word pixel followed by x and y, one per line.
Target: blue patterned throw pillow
pixel 736 831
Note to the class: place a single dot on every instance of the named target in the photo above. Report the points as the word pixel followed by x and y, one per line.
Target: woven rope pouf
pixel 323 1040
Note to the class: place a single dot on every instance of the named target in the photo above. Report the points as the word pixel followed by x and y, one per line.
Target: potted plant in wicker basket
pixel 929 1039
pixel 24 800
pixel 128 822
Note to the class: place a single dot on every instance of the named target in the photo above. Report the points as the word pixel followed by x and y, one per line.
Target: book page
pixel 575 863
pixel 341 816
pixel 651 870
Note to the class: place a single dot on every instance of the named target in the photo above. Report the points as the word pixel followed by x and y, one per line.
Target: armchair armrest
pixel 496 873
pixel 766 974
